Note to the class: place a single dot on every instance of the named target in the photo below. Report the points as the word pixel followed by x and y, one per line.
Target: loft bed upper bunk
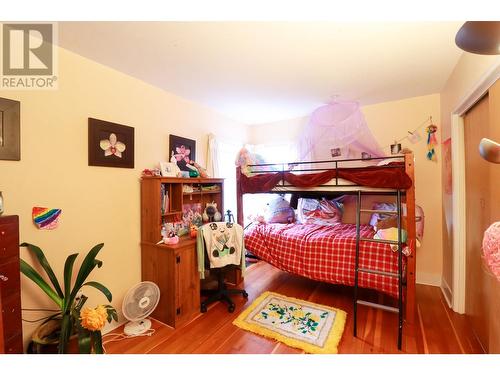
pixel 319 178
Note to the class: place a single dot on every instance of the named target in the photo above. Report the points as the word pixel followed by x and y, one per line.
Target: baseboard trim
pixel 447 293
pixel 429 279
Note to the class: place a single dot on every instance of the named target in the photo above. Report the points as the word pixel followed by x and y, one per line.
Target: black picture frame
pixel 175 144
pixel 336 152
pixel 395 148
pixel 10 129
pixel 100 130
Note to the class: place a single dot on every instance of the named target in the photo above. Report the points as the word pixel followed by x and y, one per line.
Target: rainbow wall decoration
pixel 46 218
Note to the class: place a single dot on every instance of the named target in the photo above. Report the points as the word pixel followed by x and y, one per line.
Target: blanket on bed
pixel 324 253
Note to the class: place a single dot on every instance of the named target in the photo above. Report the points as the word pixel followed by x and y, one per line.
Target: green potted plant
pixel 72 319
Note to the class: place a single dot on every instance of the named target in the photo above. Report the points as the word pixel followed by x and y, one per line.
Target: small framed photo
pixel 395 148
pixel 169 169
pixel 110 144
pixel 335 152
pixel 366 155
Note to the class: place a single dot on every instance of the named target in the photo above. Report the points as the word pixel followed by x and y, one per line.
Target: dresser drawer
pixel 14 345
pixel 10 279
pixel 11 316
pixel 9 239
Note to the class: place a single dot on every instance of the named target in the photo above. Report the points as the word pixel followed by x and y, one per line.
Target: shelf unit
pixel 173 267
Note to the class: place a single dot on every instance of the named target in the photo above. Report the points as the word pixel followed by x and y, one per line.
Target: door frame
pixel 458 182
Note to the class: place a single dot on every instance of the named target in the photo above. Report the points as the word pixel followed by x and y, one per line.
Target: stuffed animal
pixel 201 171
pixel 211 213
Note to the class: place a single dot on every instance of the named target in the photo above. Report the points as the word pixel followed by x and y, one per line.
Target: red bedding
pixel 324 253
pixel 371 176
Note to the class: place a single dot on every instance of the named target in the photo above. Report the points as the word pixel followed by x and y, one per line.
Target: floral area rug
pixel 294 322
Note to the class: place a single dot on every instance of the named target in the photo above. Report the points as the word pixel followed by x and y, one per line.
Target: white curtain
pixel 221 163
pixel 212 156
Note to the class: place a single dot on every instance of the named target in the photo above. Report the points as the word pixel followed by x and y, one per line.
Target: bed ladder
pixel 398 275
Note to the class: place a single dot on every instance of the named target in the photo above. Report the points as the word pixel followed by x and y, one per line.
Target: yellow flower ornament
pixel 94 319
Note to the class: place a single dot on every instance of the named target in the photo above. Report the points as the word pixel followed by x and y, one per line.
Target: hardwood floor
pixel 437 330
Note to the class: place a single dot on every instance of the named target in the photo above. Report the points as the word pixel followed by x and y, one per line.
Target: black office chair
pixel 221 293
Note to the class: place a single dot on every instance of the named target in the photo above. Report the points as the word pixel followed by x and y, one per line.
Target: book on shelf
pixel 164 199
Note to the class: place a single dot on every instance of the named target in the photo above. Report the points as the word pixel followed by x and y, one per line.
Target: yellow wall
pixel 468 71
pixel 98 204
pixel 389 121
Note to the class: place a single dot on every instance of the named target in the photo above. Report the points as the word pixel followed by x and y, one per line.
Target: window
pixel 256 204
pixel 227 151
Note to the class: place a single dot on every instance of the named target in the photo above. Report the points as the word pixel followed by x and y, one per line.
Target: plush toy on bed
pixel 246 158
pixel 211 213
pixel 279 211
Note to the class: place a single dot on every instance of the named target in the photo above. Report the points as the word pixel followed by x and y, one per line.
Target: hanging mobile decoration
pixel 431 141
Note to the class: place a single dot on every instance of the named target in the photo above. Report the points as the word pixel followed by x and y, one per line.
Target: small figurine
pixel 168 234
pixel 193 231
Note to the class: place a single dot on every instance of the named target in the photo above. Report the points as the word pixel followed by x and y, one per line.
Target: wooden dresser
pixel 11 336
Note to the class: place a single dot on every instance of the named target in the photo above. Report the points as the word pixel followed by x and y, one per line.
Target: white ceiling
pixel 259 72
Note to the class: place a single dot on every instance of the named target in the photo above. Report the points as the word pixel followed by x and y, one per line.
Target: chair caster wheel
pixel 203 308
pixel 231 308
pixel 245 294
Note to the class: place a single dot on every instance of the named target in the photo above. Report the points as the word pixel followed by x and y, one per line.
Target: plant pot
pixel 45 339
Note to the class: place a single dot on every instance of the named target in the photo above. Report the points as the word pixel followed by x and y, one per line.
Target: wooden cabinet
pixel 173 267
pixel 11 337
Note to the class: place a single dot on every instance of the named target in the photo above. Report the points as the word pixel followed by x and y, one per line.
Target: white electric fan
pixel 138 304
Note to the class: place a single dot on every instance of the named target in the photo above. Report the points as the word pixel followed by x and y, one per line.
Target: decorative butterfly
pixel 112 146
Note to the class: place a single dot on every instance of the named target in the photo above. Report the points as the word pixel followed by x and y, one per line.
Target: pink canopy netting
pixel 337 131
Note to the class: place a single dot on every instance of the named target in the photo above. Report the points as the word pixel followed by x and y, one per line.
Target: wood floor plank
pixel 440 339
pixel 438 329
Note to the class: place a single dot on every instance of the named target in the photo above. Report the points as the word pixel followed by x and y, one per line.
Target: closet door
pixel 477 179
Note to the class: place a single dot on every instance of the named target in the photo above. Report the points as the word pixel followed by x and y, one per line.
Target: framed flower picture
pixel 182 151
pixel 110 144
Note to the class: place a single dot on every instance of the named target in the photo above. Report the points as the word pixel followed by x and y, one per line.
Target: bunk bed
pixel 349 252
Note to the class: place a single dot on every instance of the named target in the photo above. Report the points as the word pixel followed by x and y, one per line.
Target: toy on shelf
pixel 193 231
pixel 168 234
pixel 202 171
pixel 196 170
pixel 211 213
pixel 193 171
pixel 151 172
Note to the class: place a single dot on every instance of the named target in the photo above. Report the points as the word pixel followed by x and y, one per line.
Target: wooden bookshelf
pixel 173 267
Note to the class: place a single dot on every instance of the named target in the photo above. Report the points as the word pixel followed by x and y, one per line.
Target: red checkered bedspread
pixel 324 253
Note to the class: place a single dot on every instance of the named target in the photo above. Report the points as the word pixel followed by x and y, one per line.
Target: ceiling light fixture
pixel 480 37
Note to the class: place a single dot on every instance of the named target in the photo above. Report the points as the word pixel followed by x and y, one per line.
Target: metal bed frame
pixel 409 195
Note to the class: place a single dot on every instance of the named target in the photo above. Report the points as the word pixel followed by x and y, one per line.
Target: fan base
pixel 137 328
